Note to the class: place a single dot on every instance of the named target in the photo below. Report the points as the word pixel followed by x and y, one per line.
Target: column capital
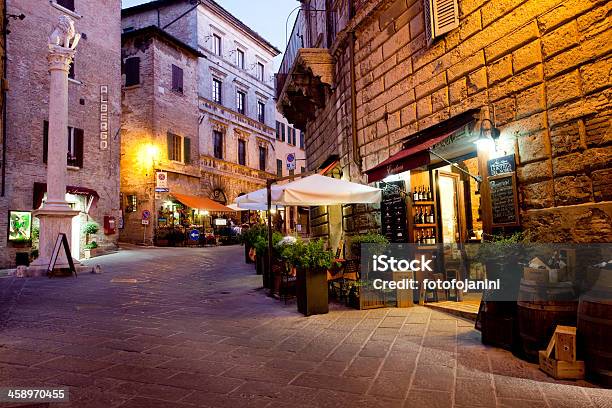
pixel 60 58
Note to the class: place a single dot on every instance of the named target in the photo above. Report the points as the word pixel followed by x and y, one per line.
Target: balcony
pixel 305 70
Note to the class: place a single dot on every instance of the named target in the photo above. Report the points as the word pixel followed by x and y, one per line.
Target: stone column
pixel 56 214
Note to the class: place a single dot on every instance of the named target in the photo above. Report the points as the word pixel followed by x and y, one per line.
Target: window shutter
pixel 170 143
pixel 441 16
pixel 132 71
pixel 45 141
pixel 177 79
pixel 187 147
pixel 79 139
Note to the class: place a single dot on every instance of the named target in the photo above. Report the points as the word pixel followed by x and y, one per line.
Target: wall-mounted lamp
pixel 487 139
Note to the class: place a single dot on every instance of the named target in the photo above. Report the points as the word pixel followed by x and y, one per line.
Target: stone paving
pixel 191 328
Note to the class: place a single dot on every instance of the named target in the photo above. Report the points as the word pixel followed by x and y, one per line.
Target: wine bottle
pixel 415 196
pixel 429 195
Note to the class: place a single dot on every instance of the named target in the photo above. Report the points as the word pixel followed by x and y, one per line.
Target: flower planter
pixel 247 256
pixel 311 291
pixel 91 253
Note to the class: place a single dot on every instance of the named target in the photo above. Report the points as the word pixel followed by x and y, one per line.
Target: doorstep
pixel 466 309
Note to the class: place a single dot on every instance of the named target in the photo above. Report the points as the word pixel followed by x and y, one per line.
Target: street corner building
pixel 400 90
pixel 199 112
pixel 92 135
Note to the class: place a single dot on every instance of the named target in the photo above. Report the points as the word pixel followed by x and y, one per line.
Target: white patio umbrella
pixel 321 190
pixel 311 191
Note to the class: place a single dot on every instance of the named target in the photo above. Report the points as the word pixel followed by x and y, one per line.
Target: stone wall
pixel 97 63
pixel 542 66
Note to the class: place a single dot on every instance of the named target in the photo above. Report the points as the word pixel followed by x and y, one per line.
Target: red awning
pixel 201 203
pixel 404 160
pixel 41 188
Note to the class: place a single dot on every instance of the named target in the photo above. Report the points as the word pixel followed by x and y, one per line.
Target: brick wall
pixel 544 66
pixel 97 63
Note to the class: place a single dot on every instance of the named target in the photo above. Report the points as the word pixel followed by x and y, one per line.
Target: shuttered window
pixel 132 71
pixel 301 139
pixel 261 112
pixel 75 140
pixel 175 147
pixel 279 168
pixel 441 16
pixel 218 144
pixel 241 152
pixel 217 44
pixel 216 90
pixel 240 102
pixel 177 79
pixel 263 152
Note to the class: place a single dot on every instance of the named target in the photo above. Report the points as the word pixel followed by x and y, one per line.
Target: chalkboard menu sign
pixel 501 165
pixel 393 212
pixel 504 204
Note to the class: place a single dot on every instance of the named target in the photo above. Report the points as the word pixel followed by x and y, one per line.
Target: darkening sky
pixel 267 17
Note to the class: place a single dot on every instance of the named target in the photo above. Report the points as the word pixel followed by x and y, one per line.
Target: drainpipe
pixel 4 97
pixel 356 154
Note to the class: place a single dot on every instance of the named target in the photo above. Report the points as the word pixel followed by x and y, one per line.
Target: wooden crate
pixel 539 275
pixel 564 365
pixel 561 370
pixel 565 343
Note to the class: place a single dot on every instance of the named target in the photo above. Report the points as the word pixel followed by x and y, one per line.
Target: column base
pixel 54 219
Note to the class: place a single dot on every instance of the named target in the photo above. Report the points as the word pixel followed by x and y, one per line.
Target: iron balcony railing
pixel 295 41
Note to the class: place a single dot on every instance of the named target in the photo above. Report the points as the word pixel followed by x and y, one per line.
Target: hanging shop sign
pixel 20 226
pixel 504 200
pixel 501 165
pixel 104 127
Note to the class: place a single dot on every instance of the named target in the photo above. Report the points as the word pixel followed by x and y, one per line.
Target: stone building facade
pixel 155 109
pixel 234 143
pixel 94 105
pixel 376 73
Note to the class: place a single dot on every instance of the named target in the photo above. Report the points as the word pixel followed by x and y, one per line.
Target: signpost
pixel 291 161
pixel 194 235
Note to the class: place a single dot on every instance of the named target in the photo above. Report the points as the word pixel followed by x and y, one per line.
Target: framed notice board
pixel 504 200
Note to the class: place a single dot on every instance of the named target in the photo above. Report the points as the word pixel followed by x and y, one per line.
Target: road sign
pixel 162 190
pixel 145 222
pixel 291 161
pixel 161 179
pixel 146 214
pixel 194 235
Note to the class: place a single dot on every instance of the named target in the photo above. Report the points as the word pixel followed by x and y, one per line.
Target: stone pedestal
pixel 56 214
pixel 52 223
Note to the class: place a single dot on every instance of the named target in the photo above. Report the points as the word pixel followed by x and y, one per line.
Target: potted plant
pixel 91 228
pixel 312 261
pixel 380 242
pixel 248 238
pixel 501 256
pixel 90 250
pixel 261 251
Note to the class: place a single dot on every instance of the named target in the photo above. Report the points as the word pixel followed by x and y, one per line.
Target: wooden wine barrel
pixel 541 307
pixel 595 334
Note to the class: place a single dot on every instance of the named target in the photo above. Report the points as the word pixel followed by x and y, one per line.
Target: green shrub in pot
pixel 378 241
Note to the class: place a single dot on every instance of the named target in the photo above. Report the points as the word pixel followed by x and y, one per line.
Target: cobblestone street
pixel 180 327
